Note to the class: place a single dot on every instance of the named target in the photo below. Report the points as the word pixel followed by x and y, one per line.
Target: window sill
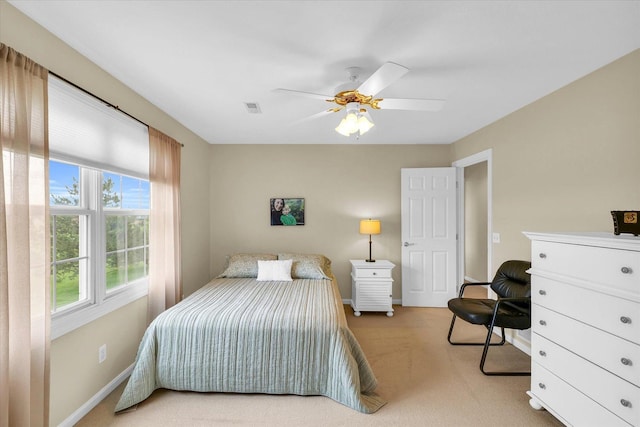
pixel 66 322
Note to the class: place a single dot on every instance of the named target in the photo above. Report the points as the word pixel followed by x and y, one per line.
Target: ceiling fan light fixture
pixel 356 121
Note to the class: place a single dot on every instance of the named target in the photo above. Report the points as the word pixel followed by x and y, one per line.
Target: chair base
pixel 487 343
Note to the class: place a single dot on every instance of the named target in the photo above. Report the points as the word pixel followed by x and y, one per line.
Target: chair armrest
pixel 464 285
pixel 511 301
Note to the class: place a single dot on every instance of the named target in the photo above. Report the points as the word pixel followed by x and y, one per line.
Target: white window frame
pixel 99 301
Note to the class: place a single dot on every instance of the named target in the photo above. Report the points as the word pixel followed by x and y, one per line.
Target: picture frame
pixel 286 211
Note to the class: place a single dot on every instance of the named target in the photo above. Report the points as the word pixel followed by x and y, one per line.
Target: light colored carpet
pixel 426 382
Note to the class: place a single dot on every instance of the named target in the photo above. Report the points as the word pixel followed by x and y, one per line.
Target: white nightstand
pixel 371 286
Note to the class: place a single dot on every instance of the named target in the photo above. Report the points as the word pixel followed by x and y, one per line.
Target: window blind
pixel 83 130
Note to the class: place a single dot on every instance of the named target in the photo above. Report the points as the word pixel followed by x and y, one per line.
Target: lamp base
pixel 370 258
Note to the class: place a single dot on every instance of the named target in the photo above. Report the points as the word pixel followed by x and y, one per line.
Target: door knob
pixel 408 244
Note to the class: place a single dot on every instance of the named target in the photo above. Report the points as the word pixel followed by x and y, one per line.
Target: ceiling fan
pixel 356 97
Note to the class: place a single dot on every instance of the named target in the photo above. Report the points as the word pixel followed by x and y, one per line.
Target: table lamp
pixel 370 226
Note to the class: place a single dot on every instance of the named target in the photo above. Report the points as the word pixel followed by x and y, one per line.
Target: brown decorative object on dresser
pixel 626 222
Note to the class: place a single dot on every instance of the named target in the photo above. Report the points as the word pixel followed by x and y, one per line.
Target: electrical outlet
pixel 102 353
pixel 496 237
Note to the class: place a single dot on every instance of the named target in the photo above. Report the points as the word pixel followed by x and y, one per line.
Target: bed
pixel 244 334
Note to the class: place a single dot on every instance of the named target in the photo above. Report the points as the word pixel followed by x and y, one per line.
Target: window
pixel 99 206
pixel 125 201
pixel 69 231
pixel 99 236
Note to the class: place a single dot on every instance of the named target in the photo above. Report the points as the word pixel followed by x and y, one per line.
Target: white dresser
pixel 585 341
pixel 371 286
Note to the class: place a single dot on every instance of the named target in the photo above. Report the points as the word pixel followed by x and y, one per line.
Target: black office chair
pixel 511 310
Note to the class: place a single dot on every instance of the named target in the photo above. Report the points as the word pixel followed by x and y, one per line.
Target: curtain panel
pixel 165 274
pixel 24 242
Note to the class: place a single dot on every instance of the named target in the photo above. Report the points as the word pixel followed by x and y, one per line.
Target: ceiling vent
pixel 253 107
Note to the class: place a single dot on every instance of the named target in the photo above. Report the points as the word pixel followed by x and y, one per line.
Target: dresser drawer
pixel 612 392
pixel 575 408
pixel 614 354
pixel 616 268
pixel 618 316
pixel 370 273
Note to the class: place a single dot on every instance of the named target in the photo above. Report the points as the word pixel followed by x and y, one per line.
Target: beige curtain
pixel 24 242
pixel 165 274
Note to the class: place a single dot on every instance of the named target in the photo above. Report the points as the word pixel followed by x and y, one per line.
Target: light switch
pixel 496 237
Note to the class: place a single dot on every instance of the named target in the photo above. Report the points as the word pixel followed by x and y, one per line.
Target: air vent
pixel 253 107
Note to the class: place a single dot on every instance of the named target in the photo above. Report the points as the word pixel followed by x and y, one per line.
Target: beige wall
pixel 475 222
pixel 75 373
pixel 341 184
pixel 565 161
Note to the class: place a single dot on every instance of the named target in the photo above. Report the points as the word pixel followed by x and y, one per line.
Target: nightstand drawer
pixel 369 273
pixel 373 296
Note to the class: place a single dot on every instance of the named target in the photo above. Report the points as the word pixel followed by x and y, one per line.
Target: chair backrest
pixel 512 280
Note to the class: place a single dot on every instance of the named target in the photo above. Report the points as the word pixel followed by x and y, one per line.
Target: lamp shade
pixel 364 123
pixel 369 226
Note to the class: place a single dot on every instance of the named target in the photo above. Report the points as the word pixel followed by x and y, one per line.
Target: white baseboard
pixel 96 399
pixel 521 344
pixel 516 340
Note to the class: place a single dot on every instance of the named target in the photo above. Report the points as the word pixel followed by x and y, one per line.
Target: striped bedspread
pixel 245 336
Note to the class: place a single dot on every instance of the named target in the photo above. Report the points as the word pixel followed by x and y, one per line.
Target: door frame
pixel 483 156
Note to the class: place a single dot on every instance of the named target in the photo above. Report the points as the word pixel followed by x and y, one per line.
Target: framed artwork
pixel 287 211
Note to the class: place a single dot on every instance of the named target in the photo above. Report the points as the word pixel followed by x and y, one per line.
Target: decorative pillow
pixel 245 265
pixel 274 270
pixel 309 266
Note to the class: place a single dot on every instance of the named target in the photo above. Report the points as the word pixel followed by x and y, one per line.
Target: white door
pixel 429 262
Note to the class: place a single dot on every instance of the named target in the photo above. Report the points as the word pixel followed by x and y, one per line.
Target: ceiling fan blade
pixel 383 77
pixel 305 94
pixel 411 104
pixel 315 116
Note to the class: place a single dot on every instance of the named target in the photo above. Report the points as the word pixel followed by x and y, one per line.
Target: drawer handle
pixel 626 270
pixel 626 362
pixel 624 319
pixel 625 403
pixel 374 273
pixel 542 255
pixel 543 322
pixel 542 353
pixel 542 386
pixel 542 292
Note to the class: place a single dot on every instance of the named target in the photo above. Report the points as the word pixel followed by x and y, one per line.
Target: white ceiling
pixel 200 61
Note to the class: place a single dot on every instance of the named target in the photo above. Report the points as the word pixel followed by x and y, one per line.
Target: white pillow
pixel 274 270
